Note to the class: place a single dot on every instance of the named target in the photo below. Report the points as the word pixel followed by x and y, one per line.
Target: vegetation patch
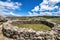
pixel 37 27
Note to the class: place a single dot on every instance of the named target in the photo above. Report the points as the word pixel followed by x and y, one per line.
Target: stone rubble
pixel 30 34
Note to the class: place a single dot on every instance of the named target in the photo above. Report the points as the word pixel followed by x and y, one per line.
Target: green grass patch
pixel 37 27
pixel 56 20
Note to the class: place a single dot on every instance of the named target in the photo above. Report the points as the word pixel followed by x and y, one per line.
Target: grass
pixel 56 20
pixel 37 27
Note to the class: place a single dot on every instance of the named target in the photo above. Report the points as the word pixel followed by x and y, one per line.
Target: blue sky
pixel 30 7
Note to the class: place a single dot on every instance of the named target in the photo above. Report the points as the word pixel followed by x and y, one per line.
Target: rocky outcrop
pixel 2 19
pixel 30 34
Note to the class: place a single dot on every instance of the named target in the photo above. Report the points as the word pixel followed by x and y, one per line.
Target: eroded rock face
pixel 29 34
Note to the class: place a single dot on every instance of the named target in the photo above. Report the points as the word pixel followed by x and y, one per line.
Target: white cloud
pixel 14 14
pixel 50 13
pixel 36 9
pixel 45 14
pixel 54 1
pixel 50 5
pixel 30 13
pixel 33 14
pixel 6 8
pixel 46 7
pixel 10 5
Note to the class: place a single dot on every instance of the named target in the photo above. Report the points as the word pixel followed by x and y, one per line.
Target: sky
pixel 30 7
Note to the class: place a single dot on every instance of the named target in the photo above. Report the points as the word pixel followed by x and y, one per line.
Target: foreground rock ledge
pixel 30 34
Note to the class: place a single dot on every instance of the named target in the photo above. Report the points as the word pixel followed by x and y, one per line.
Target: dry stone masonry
pixel 30 34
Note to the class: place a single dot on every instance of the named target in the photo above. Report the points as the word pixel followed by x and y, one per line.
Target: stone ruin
pixel 30 34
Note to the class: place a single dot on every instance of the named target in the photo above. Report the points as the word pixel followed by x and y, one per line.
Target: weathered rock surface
pixel 2 37
pixel 2 19
pixel 30 34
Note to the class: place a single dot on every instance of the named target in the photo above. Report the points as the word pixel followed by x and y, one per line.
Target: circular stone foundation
pixel 36 25
pixel 28 33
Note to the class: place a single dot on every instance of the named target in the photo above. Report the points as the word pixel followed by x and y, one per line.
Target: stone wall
pixel 30 34
pixel 48 23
